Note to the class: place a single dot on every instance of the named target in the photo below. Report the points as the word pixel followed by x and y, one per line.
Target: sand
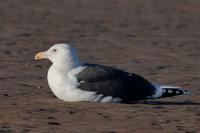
pixel 157 39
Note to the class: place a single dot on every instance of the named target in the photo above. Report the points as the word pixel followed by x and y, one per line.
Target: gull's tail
pixel 167 91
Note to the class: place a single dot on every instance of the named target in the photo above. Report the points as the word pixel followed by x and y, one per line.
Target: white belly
pixel 65 87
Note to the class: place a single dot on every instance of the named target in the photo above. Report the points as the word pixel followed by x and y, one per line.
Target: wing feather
pixel 114 82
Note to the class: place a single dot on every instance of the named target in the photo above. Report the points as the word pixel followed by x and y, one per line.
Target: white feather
pixel 62 79
pixel 160 89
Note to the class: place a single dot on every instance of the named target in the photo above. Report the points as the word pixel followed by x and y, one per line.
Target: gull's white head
pixel 60 54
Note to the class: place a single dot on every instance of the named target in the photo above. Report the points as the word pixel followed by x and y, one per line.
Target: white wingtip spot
pixel 130 74
pixel 170 91
pixel 186 92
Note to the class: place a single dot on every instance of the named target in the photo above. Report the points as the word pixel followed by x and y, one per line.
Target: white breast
pixel 65 87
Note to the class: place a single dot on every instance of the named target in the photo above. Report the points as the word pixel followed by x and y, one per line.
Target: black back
pixel 114 82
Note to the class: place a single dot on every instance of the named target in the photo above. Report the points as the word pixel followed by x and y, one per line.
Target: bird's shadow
pixel 165 103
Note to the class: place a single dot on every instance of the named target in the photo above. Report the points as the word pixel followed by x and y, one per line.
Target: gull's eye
pixel 54 50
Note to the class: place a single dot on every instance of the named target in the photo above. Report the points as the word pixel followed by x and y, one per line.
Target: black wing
pixel 114 82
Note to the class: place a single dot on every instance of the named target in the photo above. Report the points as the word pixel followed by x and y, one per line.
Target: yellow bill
pixel 41 55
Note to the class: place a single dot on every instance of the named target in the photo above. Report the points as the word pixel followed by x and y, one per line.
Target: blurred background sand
pixel 158 39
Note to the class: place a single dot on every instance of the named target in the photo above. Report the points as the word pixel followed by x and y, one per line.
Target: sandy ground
pixel 158 39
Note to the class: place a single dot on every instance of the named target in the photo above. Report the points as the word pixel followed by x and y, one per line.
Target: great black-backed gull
pixel 71 80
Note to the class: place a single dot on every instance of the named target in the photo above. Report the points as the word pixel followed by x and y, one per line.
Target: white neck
pixel 66 67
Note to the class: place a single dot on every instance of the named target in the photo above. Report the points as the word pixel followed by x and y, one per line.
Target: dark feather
pixel 114 82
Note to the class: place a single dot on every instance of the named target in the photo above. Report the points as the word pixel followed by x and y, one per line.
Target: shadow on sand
pixel 165 103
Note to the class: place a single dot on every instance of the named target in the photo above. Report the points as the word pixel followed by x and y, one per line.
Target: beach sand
pixel 159 40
